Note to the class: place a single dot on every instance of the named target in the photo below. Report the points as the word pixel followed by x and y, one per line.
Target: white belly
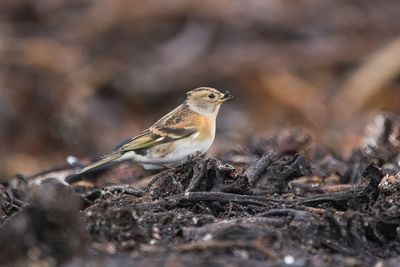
pixel 170 153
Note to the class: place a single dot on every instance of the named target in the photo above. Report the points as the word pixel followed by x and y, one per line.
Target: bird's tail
pixel 103 161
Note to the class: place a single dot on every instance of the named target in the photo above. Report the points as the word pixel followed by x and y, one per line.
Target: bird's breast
pixel 206 129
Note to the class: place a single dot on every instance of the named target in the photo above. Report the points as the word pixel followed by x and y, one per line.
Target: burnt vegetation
pixel 288 205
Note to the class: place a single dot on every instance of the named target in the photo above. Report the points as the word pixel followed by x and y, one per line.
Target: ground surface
pixel 274 201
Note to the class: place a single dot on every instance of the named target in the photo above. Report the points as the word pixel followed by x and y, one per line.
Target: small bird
pixel 187 130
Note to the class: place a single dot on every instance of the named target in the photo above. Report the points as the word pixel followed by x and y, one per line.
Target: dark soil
pixel 275 201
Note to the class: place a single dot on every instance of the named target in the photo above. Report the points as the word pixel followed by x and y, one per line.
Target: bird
pixel 187 130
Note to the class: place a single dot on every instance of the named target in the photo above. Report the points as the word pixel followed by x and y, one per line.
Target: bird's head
pixel 207 100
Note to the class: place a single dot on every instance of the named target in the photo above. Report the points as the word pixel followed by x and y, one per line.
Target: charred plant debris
pixel 276 201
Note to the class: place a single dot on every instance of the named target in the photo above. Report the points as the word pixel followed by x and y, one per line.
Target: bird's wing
pixel 154 136
pixel 178 124
pixel 150 138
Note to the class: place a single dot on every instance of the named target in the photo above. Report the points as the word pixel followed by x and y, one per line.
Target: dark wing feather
pixel 152 138
pixel 173 126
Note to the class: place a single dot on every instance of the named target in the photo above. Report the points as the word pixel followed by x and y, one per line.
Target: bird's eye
pixel 211 96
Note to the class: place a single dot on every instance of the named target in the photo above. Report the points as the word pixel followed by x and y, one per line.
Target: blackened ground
pixel 276 201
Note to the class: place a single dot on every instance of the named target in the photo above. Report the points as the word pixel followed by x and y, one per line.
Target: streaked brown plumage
pixel 186 130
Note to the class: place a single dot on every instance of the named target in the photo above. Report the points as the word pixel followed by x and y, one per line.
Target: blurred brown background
pixel 78 76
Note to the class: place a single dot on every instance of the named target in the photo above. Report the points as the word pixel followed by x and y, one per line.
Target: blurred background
pixel 79 76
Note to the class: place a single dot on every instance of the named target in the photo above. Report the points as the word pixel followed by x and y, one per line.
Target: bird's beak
pixel 227 96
